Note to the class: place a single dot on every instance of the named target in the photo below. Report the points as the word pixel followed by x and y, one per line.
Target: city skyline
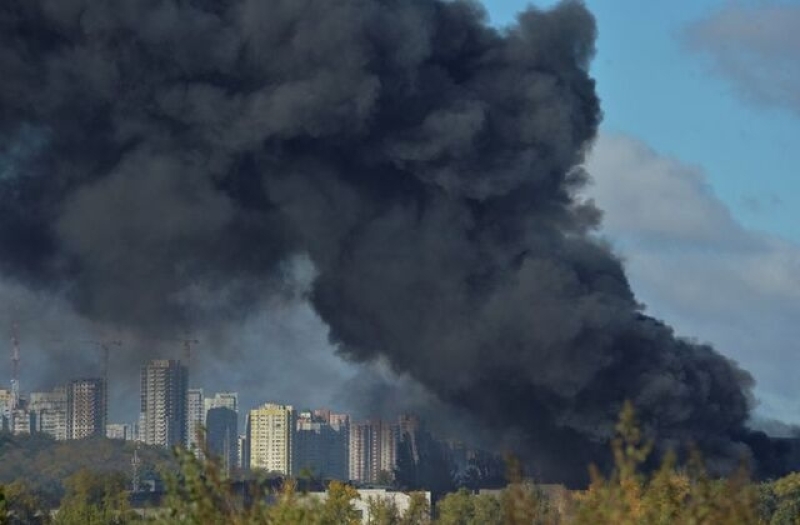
pixel 472 227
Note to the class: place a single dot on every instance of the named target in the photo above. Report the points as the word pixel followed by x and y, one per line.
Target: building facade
pixel 222 399
pixel 372 451
pixel 222 437
pixel 320 446
pixel 50 412
pixel 164 385
pixel 195 419
pixel 121 431
pixel 86 408
pixel 270 438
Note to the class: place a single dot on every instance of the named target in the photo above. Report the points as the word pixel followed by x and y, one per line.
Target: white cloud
pixel 757 47
pixel 693 264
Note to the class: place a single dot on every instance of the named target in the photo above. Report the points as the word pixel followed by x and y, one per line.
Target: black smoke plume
pixel 156 153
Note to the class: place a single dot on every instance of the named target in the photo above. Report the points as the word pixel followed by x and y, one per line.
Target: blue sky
pixel 696 171
pixel 655 88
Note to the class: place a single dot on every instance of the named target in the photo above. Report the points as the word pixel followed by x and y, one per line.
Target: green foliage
pixel 3 510
pixel 628 497
pixel 43 463
pixel 459 508
pixel 779 501
pixel 383 511
pixel 419 510
pixel 94 499
pixel 23 505
pixel 199 494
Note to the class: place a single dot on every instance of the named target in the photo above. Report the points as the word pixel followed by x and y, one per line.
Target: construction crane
pixel 104 345
pixel 187 344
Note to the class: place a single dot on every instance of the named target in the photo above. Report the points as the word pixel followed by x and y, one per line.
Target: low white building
pixel 400 500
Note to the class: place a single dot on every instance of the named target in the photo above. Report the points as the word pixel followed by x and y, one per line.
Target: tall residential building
pixel 321 447
pixel 270 436
pixel 86 408
pixel 372 451
pixel 195 419
pixel 163 403
pixel 222 399
pixel 408 428
pixel 21 421
pixel 5 408
pixel 50 412
pixel 222 437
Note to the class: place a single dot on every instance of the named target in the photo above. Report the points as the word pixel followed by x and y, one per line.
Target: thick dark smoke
pixel 156 153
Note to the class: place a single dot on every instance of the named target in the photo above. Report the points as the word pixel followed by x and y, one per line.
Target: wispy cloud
pixel 693 263
pixel 756 46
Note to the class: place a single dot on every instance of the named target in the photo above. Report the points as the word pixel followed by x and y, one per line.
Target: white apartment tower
pixel 270 436
pixel 163 403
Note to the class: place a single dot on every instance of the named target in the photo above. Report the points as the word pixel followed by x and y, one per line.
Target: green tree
pixel 383 511
pixel 628 497
pixel 456 508
pixel 338 508
pixel 785 500
pixel 419 510
pixel 23 505
pixel 94 499
pixel 3 510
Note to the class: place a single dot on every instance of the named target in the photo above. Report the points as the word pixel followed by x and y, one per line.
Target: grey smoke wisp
pixel 163 154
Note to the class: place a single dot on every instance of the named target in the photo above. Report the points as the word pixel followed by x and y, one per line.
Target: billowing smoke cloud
pixel 162 160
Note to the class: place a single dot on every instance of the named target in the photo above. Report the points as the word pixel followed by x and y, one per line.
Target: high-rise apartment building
pixel 195 419
pixel 321 447
pixel 86 408
pixel 163 403
pixel 372 451
pixel 222 400
pixel 49 410
pixel 21 421
pixel 222 437
pixel 270 436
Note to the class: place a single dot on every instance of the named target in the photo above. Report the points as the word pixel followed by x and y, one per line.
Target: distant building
pixel 321 447
pixel 408 427
pixel 163 403
pixel 244 450
pixel 270 436
pixel 86 408
pixel 195 419
pixel 6 400
pixel 122 431
pixel 49 410
pixel 367 497
pixel 21 421
pixel 222 436
pixel 372 451
pixel 222 399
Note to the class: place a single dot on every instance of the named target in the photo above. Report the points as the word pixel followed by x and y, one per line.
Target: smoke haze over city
pixel 398 179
